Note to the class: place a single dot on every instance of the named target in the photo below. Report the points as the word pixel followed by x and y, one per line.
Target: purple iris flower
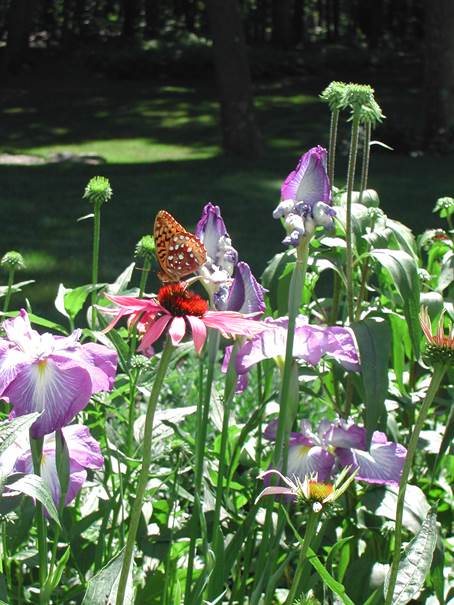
pixel 306 197
pixel 311 343
pixel 230 283
pixel 83 451
pixel 54 375
pixel 244 295
pixel 337 445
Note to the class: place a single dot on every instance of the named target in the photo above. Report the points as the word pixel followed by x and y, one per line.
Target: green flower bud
pixel 440 346
pixel 334 94
pixel 12 261
pixel 145 248
pixel 98 190
pixel 444 206
pixel 360 99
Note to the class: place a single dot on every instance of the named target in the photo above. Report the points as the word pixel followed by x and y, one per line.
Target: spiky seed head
pixel 12 261
pixel 98 190
pixel 334 94
pixel 145 248
pixel 360 99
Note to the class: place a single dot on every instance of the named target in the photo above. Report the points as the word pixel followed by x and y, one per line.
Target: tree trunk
pixel 131 13
pixel 19 23
pixel 152 18
pixel 298 16
pixel 282 23
pixel 240 133
pixel 439 72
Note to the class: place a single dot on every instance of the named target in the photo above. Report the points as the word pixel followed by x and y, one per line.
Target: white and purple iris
pixel 83 452
pixel 339 445
pixel 229 282
pixel 311 343
pixel 54 375
pixel 306 197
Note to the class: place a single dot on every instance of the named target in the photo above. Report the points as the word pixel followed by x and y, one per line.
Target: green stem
pixel 36 446
pixel 437 377
pixel 348 228
pixel 366 158
pixel 144 471
pixel 9 289
pixel 332 144
pixel 95 259
pixel 203 410
pixel 311 528
pixel 294 303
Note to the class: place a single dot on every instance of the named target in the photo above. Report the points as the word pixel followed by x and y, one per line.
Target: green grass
pixel 161 146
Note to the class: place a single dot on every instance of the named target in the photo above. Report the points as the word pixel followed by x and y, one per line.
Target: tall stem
pixel 95 259
pixel 437 377
pixel 366 158
pixel 311 528
pixel 203 410
pixel 36 446
pixel 348 228
pixel 9 289
pixel 294 303
pixel 332 144
pixel 144 471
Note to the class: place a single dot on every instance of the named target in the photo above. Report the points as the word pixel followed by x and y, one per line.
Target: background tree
pixel 239 129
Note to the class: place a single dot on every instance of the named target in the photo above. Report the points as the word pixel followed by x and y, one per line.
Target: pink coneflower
pixel 176 308
pixel 440 346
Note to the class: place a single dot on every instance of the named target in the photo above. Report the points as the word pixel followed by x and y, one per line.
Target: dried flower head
pixel 440 346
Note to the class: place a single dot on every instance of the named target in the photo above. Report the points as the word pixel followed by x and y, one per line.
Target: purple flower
pixel 310 345
pixel 244 295
pixel 337 445
pixel 84 453
pixel 306 197
pixel 54 375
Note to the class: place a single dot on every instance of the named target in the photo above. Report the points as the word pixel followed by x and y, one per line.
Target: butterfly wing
pixel 179 252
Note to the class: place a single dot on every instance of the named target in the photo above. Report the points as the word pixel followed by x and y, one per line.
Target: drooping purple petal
pixel 341 345
pixel 82 447
pixel 309 181
pixel 12 361
pixel 100 360
pixel 337 435
pixel 245 294
pixel 382 464
pixel 58 388
pixel 305 460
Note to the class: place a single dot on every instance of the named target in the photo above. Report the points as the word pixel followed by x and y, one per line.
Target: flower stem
pixel 9 290
pixel 366 158
pixel 95 259
pixel 332 144
pixel 348 228
pixel 294 303
pixel 36 446
pixel 311 528
pixel 203 410
pixel 437 377
pixel 144 471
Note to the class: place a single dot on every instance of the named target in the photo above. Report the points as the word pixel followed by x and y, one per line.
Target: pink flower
pixel 175 308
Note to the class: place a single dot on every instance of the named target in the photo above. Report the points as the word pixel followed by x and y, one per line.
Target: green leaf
pixel 416 562
pixel 383 501
pixel 15 287
pixel 373 336
pixel 69 301
pixel 35 487
pixel 102 587
pixel 39 321
pixel 53 582
pixel 403 271
pixel 446 276
pixel 403 236
pixel 10 430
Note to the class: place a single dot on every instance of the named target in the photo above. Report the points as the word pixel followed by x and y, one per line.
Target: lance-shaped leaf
pixel 102 587
pixel 35 487
pixel 10 430
pixel 416 562
pixel 373 336
pixel 404 274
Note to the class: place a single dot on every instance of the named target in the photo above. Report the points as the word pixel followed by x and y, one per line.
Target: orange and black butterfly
pixel 179 252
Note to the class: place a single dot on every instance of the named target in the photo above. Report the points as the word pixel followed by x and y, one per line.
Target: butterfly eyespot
pixel 169 236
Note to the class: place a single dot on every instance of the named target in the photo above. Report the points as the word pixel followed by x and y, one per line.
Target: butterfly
pixel 179 252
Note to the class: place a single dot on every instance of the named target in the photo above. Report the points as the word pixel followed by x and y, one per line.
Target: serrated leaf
pixel 35 487
pixel 373 336
pixel 416 562
pixel 102 587
pixel 404 274
pixel 10 430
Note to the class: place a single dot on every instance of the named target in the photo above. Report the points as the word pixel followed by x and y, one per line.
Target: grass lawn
pixel 161 146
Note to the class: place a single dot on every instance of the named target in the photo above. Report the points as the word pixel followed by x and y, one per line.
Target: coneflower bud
pixel 98 190
pixel 440 346
pixel 145 248
pixel 333 95
pixel 12 261
pixel 360 99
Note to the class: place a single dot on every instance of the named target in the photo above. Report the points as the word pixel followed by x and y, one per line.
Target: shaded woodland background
pixel 180 102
